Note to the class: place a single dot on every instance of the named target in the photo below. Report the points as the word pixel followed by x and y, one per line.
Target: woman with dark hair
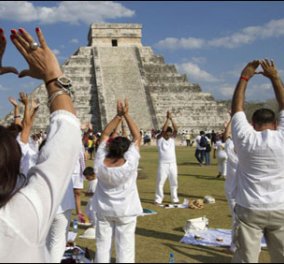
pixel 26 214
pixel 116 200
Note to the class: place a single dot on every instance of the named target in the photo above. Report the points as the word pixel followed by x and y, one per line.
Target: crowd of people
pixel 42 174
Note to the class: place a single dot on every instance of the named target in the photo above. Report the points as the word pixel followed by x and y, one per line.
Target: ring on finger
pixel 34 46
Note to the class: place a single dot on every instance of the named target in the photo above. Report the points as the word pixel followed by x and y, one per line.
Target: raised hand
pixel 169 115
pixel 42 61
pixel 3 43
pixel 13 101
pixel 24 99
pixel 35 104
pixel 250 69
pixel 126 106
pixel 269 69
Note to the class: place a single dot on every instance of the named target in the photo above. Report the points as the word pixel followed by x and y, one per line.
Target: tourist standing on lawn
pixel 116 200
pixel 260 191
pixel 167 161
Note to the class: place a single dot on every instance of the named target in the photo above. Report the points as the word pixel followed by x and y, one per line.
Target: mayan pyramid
pixel 116 65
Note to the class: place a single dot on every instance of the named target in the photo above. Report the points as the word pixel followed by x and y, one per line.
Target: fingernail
pixel 1 31
pixel 21 30
pixel 14 31
pixel 13 37
pixel 37 29
pixel 3 38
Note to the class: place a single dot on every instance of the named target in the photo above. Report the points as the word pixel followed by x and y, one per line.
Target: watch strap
pixel 50 81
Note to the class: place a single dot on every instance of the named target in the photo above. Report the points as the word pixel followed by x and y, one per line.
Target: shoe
pixel 218 176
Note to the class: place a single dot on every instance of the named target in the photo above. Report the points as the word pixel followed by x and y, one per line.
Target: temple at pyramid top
pixel 115 35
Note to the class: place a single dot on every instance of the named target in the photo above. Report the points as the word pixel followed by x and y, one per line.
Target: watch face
pixel 64 81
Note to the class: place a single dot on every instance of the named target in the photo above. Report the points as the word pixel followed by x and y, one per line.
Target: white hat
pixel 90 233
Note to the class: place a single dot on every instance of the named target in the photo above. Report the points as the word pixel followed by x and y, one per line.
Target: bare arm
pixel 270 71
pixel 228 130
pixel 174 125
pixel 17 119
pixel 123 130
pixel 166 125
pixel 134 130
pixel 113 124
pixel 239 94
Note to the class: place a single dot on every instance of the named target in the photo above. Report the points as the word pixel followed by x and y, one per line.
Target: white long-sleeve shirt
pixel 26 218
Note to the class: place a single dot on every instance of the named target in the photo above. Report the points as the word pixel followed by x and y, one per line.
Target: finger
pixel 26 36
pixel 25 73
pixel 272 63
pixel 4 70
pixel 19 46
pixel 41 38
pixel 24 43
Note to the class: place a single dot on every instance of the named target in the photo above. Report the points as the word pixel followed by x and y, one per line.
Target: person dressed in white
pixel 58 233
pixel 231 179
pixel 167 161
pixel 26 215
pixel 221 155
pixel 116 200
pixel 260 191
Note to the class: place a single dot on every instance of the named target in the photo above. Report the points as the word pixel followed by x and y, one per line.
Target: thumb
pixel 25 73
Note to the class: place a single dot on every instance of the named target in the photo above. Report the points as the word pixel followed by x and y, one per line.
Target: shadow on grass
pixel 214 255
pixel 201 176
pixel 157 234
pixel 189 164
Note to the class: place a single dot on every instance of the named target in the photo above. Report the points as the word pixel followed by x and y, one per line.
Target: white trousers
pixel 123 230
pixel 57 236
pixel 165 171
pixel 222 165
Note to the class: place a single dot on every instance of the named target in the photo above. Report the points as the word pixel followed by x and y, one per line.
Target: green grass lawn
pixel 158 235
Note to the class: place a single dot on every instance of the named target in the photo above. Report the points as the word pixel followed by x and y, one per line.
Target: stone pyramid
pixel 116 65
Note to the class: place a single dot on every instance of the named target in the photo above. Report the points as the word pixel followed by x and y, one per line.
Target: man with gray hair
pixel 260 173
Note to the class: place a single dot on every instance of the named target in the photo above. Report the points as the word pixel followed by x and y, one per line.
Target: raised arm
pixel 114 123
pixel 123 130
pixel 29 116
pixel 270 71
pixel 239 94
pixel 17 117
pixel 166 124
pixel 134 130
pixel 170 116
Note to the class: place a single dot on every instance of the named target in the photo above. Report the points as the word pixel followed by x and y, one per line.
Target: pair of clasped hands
pixel 41 60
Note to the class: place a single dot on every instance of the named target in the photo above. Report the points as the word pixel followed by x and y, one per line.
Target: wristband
pixel 244 78
pixel 50 81
pixel 17 116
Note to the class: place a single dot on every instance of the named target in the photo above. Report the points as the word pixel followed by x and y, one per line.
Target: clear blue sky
pixel 209 41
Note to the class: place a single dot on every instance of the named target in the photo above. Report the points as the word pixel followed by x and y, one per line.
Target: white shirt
pixel 26 219
pixel 29 156
pixel 232 164
pixel 167 150
pixel 116 194
pixel 261 164
pixel 220 150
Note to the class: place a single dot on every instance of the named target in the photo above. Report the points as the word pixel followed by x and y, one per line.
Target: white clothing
pixel 260 171
pixel 90 208
pixel 25 220
pixel 165 171
pixel 222 157
pixel 29 156
pixel 167 150
pixel 232 164
pixel 117 194
pixel 123 228
pixel 57 236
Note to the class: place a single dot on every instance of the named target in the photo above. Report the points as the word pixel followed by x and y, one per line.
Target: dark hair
pixel 10 159
pixel 15 129
pixel 202 133
pixel 263 116
pixel 169 129
pixel 89 171
pixel 117 147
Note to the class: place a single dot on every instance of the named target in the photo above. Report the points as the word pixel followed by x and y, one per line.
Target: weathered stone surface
pixel 116 65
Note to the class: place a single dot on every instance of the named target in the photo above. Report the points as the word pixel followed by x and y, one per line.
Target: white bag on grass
pixel 196 224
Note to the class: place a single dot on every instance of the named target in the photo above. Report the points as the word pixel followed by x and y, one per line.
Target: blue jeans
pixel 207 158
pixel 200 155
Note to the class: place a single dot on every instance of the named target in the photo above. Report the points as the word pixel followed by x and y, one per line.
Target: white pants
pixel 167 170
pixel 123 230
pixel 222 163
pixel 57 236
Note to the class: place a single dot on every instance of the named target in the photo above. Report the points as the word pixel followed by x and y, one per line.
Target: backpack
pixel 203 142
